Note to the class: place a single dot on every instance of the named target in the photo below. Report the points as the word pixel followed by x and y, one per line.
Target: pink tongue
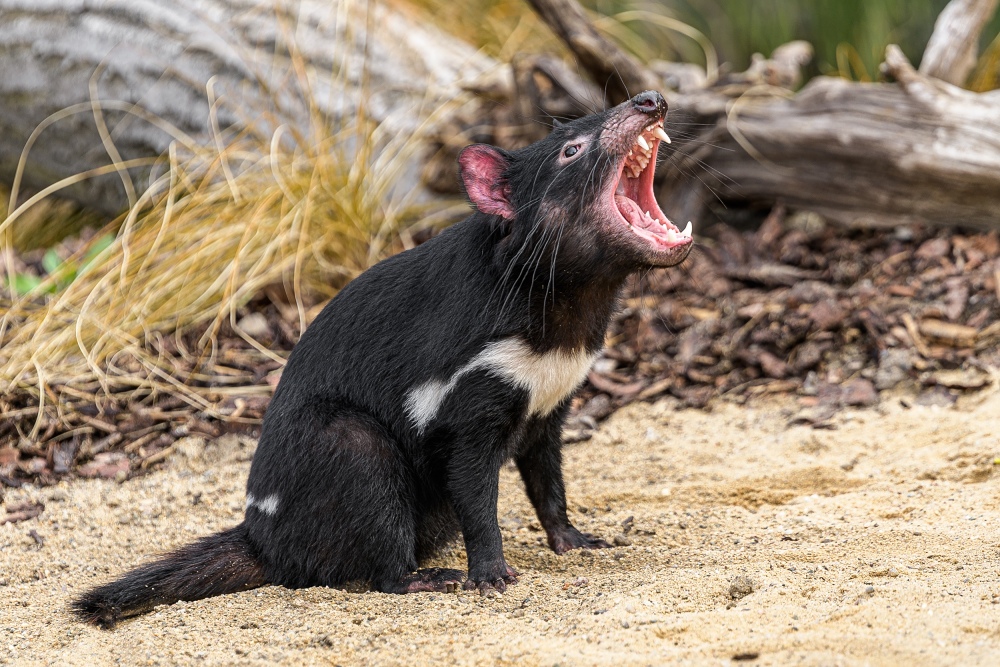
pixel 631 211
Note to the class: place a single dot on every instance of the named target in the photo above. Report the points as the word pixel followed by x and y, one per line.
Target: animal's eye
pixel 571 150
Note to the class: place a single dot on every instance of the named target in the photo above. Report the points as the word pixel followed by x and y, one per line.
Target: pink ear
pixel 482 168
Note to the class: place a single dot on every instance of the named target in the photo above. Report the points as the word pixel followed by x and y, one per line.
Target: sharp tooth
pixel 642 143
pixel 687 230
pixel 661 134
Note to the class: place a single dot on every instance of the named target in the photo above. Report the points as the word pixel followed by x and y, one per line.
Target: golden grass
pixel 300 211
pixel 986 76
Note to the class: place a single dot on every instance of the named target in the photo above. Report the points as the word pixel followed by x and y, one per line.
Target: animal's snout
pixel 650 103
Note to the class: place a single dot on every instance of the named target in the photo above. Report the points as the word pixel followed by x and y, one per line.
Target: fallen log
pixel 913 149
pixel 120 79
pixel 951 51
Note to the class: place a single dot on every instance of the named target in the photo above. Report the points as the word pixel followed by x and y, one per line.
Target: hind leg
pixel 331 503
pixel 436 527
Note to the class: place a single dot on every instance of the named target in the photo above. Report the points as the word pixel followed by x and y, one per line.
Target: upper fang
pixel 642 143
pixel 661 134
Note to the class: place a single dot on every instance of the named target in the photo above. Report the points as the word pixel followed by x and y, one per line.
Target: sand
pixel 875 543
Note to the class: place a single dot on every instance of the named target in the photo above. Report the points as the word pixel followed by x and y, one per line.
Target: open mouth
pixel 634 198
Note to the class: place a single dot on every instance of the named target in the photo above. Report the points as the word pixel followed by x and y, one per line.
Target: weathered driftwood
pixel 913 150
pixel 608 65
pixel 170 59
pixel 918 150
pixel 951 51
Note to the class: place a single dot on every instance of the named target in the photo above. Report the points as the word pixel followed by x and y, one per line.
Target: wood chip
pixel 914 332
pixel 956 335
pixel 22 512
pixel 615 389
pixel 958 378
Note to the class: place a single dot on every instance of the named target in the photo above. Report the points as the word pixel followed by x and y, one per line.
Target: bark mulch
pixel 835 316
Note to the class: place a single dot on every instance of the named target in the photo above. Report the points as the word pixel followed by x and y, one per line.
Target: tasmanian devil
pixel 411 389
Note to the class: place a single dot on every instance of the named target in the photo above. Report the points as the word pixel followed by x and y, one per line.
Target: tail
pixel 214 565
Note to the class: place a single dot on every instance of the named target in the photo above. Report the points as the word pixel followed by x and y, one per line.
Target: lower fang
pixel 687 230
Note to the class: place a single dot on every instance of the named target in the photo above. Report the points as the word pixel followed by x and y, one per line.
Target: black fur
pixel 217 564
pixel 362 493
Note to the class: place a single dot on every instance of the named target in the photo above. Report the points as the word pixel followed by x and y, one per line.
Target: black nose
pixel 651 103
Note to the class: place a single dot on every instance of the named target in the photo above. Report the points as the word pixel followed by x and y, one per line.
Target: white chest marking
pixel 548 378
pixel 268 505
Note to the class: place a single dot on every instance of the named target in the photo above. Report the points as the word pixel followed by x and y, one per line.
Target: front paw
pixel 493 577
pixel 571 538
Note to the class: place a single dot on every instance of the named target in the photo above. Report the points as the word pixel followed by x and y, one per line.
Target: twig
pixel 914 332
pixel 157 457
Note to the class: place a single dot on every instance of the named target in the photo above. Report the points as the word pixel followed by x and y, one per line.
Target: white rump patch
pixel 268 505
pixel 548 378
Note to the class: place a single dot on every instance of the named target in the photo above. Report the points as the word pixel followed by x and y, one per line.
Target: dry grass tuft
pixel 300 218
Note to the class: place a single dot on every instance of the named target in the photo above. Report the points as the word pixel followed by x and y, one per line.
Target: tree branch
pixel 605 62
pixel 951 51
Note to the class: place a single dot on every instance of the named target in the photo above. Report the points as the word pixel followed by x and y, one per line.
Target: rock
pixel 893 367
pixel 827 315
pixel 741 586
pixel 622 540
pixel 255 325
pixel 811 385
pixel 859 392
pixel 808 354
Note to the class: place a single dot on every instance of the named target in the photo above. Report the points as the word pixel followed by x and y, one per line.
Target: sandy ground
pixel 876 543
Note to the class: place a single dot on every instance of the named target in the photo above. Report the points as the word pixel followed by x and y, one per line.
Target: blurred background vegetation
pixel 849 36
